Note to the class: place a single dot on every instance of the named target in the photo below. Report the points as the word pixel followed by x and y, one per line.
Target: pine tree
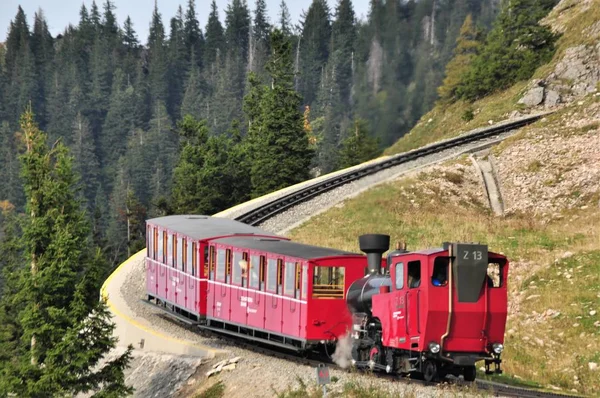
pixel 468 45
pixel 194 40
pixel 85 163
pixel 314 49
pixel 11 188
pixel 118 125
pixel 157 68
pixel 131 44
pixel 215 38
pixel 358 147
pixel 62 330
pixel 278 144
pixel 259 43
pixel 285 20
pixel 178 63
pixel 513 50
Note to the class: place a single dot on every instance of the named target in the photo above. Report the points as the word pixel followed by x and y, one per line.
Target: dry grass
pixel 447 121
pixel 412 211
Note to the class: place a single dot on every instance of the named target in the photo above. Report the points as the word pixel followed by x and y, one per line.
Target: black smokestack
pixel 374 245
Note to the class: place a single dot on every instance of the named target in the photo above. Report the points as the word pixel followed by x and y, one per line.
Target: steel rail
pixel 268 210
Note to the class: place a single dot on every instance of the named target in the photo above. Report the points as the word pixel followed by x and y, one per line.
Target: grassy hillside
pixel 551 335
pixel 578 22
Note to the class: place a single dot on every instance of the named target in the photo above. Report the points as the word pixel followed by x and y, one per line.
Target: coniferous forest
pixel 207 114
pixel 99 132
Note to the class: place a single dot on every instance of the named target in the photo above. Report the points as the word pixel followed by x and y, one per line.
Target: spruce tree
pixel 279 146
pixel 194 40
pixel 467 47
pixel 285 20
pixel 157 68
pixel 513 50
pixel 11 188
pixel 215 38
pixel 359 146
pixel 314 49
pixel 54 345
pixel 178 63
pixel 259 44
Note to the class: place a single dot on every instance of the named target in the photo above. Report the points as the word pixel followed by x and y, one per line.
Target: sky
pixel 60 13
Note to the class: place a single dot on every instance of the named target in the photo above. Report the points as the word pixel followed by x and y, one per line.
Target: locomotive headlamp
pixel 434 347
pixel 498 348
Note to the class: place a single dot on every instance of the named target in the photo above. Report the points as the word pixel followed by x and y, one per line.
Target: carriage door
pixel 291 305
pixel 399 314
pixel 274 306
pixel 412 301
pixel 255 310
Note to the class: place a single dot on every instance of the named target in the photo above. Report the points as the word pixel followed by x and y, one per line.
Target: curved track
pixel 260 214
pixel 272 208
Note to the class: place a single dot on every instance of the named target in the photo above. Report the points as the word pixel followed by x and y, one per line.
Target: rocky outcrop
pixel 574 76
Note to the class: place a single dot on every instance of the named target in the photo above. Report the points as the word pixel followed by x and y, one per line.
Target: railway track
pixel 264 212
pixel 488 387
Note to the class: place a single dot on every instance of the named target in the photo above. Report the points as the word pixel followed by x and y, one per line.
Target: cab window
pixel 440 272
pixel 414 274
pixel 494 274
pixel 399 276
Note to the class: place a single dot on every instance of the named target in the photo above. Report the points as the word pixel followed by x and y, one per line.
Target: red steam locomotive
pixel 433 312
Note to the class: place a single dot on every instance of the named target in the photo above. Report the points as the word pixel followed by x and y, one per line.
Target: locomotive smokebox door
pixel 470 269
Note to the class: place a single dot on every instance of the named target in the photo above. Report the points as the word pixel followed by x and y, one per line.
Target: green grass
pixel 217 390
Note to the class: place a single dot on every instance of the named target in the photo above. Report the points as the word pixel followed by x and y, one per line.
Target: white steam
pixel 342 355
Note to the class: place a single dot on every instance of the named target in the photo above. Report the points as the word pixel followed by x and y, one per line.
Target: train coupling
pixel 495 362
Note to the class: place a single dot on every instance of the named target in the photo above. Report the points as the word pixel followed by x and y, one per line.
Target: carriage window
pixel 179 247
pixel 255 272
pixel 193 257
pixel 494 275
pixel 187 256
pixel 156 245
pixel 440 271
pixel 399 276
pixel 272 275
pixel 290 279
pixel 170 249
pixel 164 244
pixel 221 260
pixel 209 265
pixel 304 281
pixel 237 268
pixel 228 268
pixel 328 282
pixel 149 245
pixel 414 274
pixel 298 274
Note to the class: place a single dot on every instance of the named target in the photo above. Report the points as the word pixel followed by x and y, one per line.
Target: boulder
pixel 533 97
pixel 552 99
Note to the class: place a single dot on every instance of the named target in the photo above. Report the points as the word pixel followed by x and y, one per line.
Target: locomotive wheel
pixel 470 373
pixel 430 371
pixel 373 357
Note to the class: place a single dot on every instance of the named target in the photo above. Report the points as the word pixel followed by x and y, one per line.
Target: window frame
pixel 323 290
pixel 399 265
pixel 194 258
pixel 290 276
pixel 272 274
pixel 220 273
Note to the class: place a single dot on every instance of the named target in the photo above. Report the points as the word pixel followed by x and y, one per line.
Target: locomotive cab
pixel 436 312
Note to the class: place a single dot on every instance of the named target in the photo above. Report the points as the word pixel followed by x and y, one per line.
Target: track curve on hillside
pixel 134 324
